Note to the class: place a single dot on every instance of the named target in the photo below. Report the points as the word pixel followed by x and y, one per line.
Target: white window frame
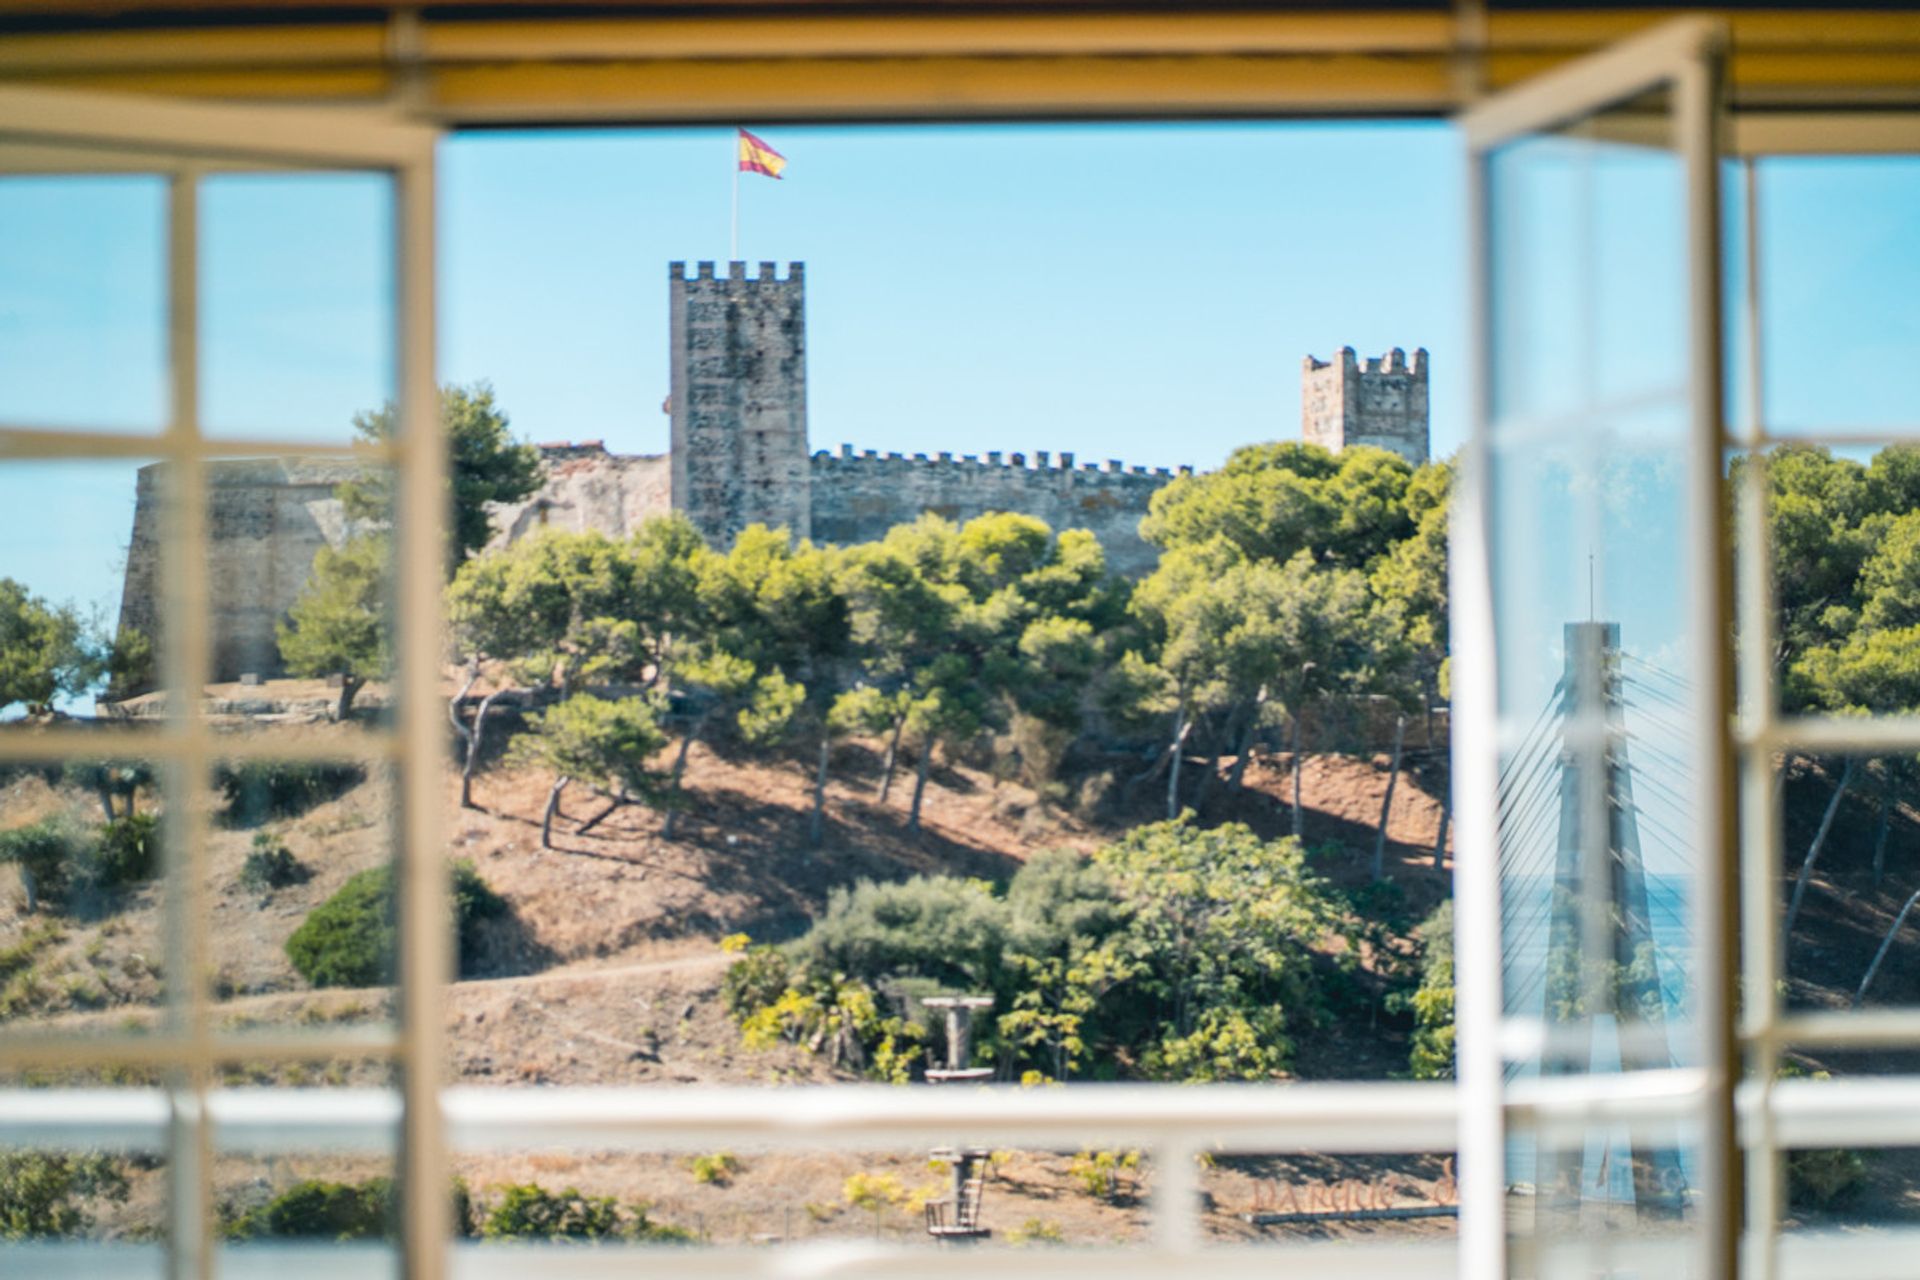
pixel 68 132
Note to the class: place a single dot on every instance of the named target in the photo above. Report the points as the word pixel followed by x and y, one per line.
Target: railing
pixel 1171 1125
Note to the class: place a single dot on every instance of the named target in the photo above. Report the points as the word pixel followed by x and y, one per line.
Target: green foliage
pixel 46 1193
pixel 348 940
pixel 1431 1056
pixel 271 865
pixel 316 1209
pixel 46 651
pixel 1105 1175
pixel 255 790
pixel 127 851
pixel 45 852
pixel 528 1211
pixel 342 623
pixel 831 1014
pixel 130 669
pixel 69 866
pixel 873 1191
pixel 716 1169
pixel 1176 953
pixel 1824 1178
pixel 1036 1231
pixel 603 743
pixel 485 466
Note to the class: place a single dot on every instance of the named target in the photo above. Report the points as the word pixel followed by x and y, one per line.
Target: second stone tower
pixel 739 399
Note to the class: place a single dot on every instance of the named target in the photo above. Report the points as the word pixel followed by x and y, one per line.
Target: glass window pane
pixel 296 297
pixel 83 313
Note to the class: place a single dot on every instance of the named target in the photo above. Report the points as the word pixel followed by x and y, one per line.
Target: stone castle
pixel 739 454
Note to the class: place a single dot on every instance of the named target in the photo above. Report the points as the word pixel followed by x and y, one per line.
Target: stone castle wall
pixel 588 488
pixel 858 497
pixel 266 520
pixel 1381 402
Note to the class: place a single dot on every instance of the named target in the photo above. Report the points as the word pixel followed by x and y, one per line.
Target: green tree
pixel 46 1193
pixel 485 466
pixel 47 651
pixel 341 624
pixel 563 609
pixel 606 744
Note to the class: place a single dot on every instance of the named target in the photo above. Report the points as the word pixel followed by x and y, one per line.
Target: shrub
pixel 255 790
pixel 45 853
pixel 1431 1055
pixel 347 941
pixel 714 1170
pixel 872 1191
pixel 271 865
pixel 1037 1231
pixel 1824 1178
pixel 530 1212
pixel 127 851
pixel 317 1209
pixel 45 1193
pixel 1101 1174
pixel 61 863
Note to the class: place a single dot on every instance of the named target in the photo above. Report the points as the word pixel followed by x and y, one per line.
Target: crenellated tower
pixel 738 399
pixel 1381 402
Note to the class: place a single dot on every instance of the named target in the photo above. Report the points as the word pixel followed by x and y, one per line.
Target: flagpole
pixel 733 248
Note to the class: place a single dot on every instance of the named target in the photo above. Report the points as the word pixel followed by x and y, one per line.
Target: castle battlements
pixel 736 273
pixel 1043 464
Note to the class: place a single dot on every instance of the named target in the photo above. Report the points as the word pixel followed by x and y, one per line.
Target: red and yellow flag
pixel 757 157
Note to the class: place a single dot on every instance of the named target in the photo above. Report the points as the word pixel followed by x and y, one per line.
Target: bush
pixel 255 790
pixel 321 1210
pixel 45 1193
pixel 1825 1178
pixel 530 1211
pixel 271 865
pixel 62 863
pixel 45 852
pixel 1105 1175
pixel 1431 1056
pixel 127 851
pixel 347 941
pixel 714 1170
pixel 1037 1231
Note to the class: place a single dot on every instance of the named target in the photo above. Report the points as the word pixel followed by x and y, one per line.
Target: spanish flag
pixel 757 157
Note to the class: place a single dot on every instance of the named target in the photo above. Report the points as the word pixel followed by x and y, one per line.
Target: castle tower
pixel 1383 403
pixel 739 399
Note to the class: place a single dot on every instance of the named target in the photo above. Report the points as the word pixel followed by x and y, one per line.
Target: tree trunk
pixel 920 784
pixel 1887 800
pixel 679 767
pixel 816 824
pixel 1440 841
pixel 1813 855
pixel 1881 954
pixel 553 807
pixel 349 685
pixel 106 799
pixel 475 740
pixel 465 734
pixel 893 756
pixel 1296 778
pixel 1244 748
pixel 1181 728
pixel 1209 774
pixel 1386 805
